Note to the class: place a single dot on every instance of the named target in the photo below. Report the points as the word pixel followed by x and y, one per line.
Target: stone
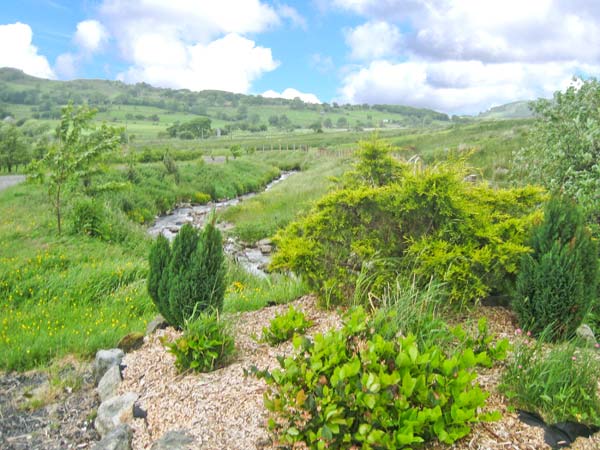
pixel 114 412
pixel 174 440
pixel 158 323
pixel 585 333
pixel 118 439
pixel 105 359
pixel 131 341
pixel 109 383
pixel 264 242
pixel 265 249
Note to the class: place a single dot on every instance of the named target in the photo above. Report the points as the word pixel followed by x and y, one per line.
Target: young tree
pixel 73 155
pixel 563 152
pixel 12 148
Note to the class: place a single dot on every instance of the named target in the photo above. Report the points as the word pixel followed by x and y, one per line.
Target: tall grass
pixel 261 216
pixel 63 294
pixel 248 292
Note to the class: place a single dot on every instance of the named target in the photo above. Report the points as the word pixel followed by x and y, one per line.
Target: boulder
pixel 174 440
pixel 105 359
pixel 131 341
pixel 118 439
pixel 114 412
pixel 109 383
pixel 585 333
pixel 158 323
pixel 264 242
pixel 266 249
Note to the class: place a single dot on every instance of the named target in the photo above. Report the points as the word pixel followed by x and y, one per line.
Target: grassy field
pixel 74 294
pixel 261 216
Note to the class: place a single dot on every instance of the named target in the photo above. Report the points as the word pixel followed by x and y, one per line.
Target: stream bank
pixel 253 258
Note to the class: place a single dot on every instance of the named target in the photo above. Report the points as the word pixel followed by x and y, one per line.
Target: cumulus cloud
pixel 66 65
pixel 374 40
pixel 18 52
pixel 464 87
pixel 462 55
pixel 290 94
pixel 91 35
pixel 194 45
pixel 230 63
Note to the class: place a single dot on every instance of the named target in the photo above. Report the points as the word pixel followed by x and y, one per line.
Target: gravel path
pixel 7 181
pixel 224 410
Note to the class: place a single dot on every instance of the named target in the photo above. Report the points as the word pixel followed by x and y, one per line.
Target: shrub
pixel 469 237
pixel 351 387
pixel 206 344
pixel 88 217
pixel 285 326
pixel 188 278
pixel 557 282
pixel 560 385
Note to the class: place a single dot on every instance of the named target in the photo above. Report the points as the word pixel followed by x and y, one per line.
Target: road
pixel 7 181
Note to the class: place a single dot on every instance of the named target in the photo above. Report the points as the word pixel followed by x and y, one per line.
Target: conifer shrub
pixel 189 277
pixel 557 282
pixel 430 223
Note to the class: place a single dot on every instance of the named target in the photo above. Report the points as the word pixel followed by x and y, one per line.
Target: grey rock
pixel 131 341
pixel 118 439
pixel 109 383
pixel 585 333
pixel 264 242
pixel 174 440
pixel 114 412
pixel 158 323
pixel 265 249
pixel 105 359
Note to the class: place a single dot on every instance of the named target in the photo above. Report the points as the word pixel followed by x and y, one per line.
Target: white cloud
pixel 194 44
pixel 467 55
pixel 290 94
pixel 230 63
pixel 66 65
pixel 17 51
pixel 322 63
pixel 196 21
pixel 91 35
pixel 374 40
pixel 457 86
pixel 287 12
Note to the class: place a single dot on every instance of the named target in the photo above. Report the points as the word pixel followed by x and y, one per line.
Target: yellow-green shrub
pixel 431 223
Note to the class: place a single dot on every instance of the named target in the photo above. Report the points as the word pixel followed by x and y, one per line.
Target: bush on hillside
pixel 394 219
pixel 557 282
pixel 189 277
pixel 352 388
pixel 206 344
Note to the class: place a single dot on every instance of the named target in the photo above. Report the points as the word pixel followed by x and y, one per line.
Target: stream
pixel 253 259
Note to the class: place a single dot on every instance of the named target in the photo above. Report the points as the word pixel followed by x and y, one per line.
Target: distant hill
pixel 148 111
pixel 514 110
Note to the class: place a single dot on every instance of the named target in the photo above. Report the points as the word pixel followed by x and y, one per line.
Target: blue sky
pixel 456 56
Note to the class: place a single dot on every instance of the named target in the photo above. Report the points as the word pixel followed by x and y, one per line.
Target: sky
pixel 454 56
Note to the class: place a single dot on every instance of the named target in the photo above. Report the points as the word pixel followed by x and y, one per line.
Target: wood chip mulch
pixel 224 410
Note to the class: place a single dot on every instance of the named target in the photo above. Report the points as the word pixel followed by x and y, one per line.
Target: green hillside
pixel 514 110
pixel 147 112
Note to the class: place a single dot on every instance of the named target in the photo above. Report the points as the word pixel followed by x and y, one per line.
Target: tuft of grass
pixel 560 384
pixel 261 216
pixel 248 292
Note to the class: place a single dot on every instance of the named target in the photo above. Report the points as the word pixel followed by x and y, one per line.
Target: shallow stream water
pixel 253 259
